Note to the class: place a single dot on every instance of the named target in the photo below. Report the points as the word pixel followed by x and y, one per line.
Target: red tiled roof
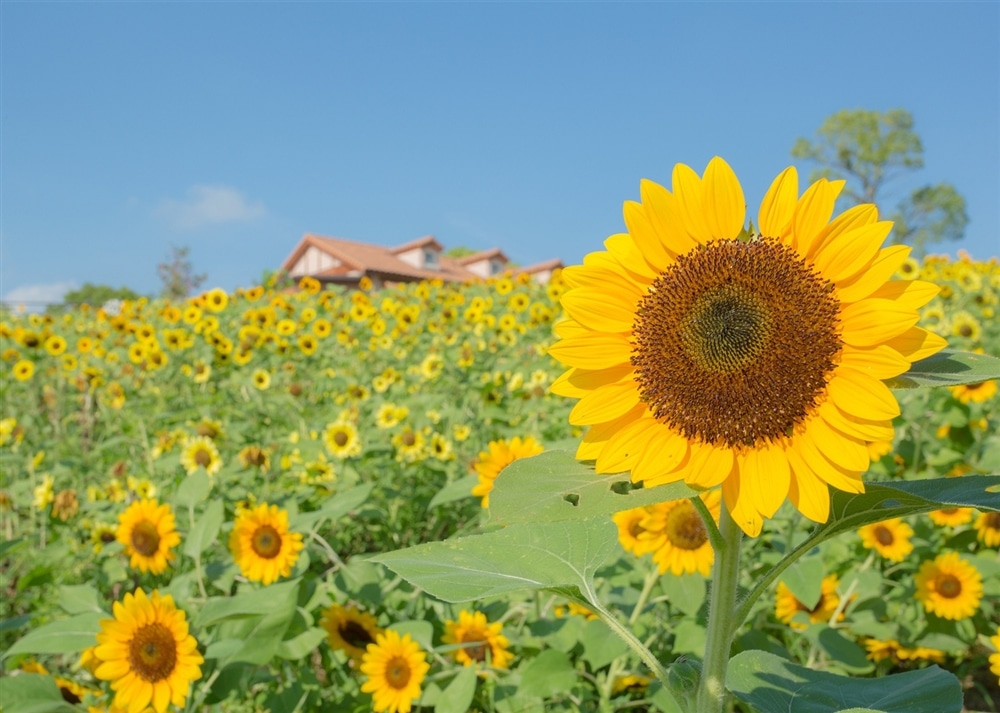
pixel 482 255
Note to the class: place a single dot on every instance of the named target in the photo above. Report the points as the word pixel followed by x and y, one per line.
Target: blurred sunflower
pixel 949 586
pixel 215 300
pixel 55 345
pixel 410 445
pixel 631 533
pixel 255 457
pixel 261 379
pixel 478 640
pixel 995 658
pixel 200 452
pixel 23 370
pixel 341 439
pixel 755 362
pixel 395 667
pixel 261 544
pixel 979 392
pixel 147 653
pixel 890 538
pixel 988 528
pixel 951 517
pixel 964 325
pixel 501 453
pixel 787 605
pixel 349 630
pixel 148 533
pixel 681 540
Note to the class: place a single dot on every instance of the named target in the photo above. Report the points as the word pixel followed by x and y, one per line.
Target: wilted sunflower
pixel 951 517
pixel 890 538
pixel 988 528
pixel 147 531
pixel 501 454
pixel 395 667
pixel 200 452
pixel 478 640
pixel 787 605
pixel 147 653
pixel 349 630
pixel 261 544
pixel 702 353
pixel 949 586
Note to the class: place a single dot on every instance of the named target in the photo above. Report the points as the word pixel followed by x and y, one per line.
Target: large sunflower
pixel 262 545
pixel 147 653
pixel 349 629
pixel 147 531
pixel 501 454
pixel 703 353
pixel 395 667
pixel 949 586
pixel 477 640
pixel 890 538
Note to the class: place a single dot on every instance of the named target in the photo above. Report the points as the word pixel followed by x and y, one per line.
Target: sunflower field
pixel 308 498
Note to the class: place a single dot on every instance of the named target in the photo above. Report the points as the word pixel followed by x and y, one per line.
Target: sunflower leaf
pixel 60 637
pixel 33 693
pixel 770 683
pixel 526 556
pixel 948 368
pixel 554 486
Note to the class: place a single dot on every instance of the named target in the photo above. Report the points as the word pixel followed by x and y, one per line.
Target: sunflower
pixel 395 667
pixel 477 640
pixel 200 452
pixel 787 606
pixel 890 538
pixel 951 517
pixel 679 536
pixel 995 658
pixel 411 446
pixel 349 630
pixel 341 439
pixel 147 653
pixel 261 379
pixel 55 345
pixel 980 392
pixel 891 649
pixel 631 533
pixel 147 531
pixel 216 299
pixel 255 457
pixel 501 454
pixel 701 353
pixel 949 586
pixel 24 370
pixel 988 528
pixel 262 545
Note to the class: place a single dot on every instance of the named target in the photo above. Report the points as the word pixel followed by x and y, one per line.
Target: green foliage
pixel 949 368
pixel 97 295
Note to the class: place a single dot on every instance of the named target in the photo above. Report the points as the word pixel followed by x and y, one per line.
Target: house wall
pixel 312 262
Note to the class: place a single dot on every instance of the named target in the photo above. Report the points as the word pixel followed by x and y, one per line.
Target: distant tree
pixel 97 295
pixel 459 251
pixel 870 149
pixel 177 274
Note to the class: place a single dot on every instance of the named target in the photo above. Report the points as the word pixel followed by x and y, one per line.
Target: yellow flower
pixel 255 457
pixel 341 439
pixel 890 538
pixel 756 364
pixel 147 653
pixel 501 454
pixel 951 517
pixel 410 445
pixel 23 370
pixel 631 533
pixel 44 493
pixel 995 658
pixel 980 392
pixel 216 300
pixel 349 630
pixel 787 606
pixel 55 345
pixel 261 379
pixel 394 667
pixel 477 640
pixel 892 649
pixel 147 531
pixel 200 452
pixel 949 586
pixel 262 545
pixel 988 528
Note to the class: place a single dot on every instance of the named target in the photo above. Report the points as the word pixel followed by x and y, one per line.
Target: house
pixel 345 262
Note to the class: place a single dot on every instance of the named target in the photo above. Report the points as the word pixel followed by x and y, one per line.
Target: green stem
pixel 714 536
pixel 721 623
pixel 625 633
pixel 652 577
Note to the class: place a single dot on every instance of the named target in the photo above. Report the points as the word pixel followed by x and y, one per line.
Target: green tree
pixel 870 150
pixel 459 251
pixel 97 295
pixel 177 274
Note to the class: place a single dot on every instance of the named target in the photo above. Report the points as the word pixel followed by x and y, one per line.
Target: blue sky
pixel 235 128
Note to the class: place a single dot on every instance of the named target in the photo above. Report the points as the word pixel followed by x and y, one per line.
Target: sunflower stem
pixel 721 623
pixel 714 536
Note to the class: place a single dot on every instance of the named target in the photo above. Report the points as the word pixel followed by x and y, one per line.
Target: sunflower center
pixel 340 438
pixel 266 542
pixel 152 652
pixel 948 586
pixel 685 528
pixel 734 343
pixel 202 457
pixel 477 650
pixel 397 672
pixel 884 535
pixel 356 635
pixel 992 521
pixel 145 538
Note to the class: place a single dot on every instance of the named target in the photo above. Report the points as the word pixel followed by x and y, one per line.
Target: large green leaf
pixel 32 693
pixel 246 603
pixel 60 637
pixel 334 508
pixel 528 556
pixel 949 368
pixel 555 486
pixel 771 683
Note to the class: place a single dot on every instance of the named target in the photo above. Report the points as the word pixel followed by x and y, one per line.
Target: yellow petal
pixel 606 311
pixel 848 452
pixel 742 512
pixel 852 252
pixel 595 350
pixel 765 474
pixel 709 465
pixel 662 212
pixel 625 445
pixel 660 462
pixel 566 327
pixel 879 362
pixel 778 206
pixel 877 274
pixel 917 343
pixel 577 383
pixel 838 477
pixel 874 321
pixel 687 190
pixel 597 436
pixel 722 200
pixel 161 696
pixel 807 491
pixel 913 294
pixel 851 219
pixel 645 236
pixel 862 396
pixel 813 212
pixel 623 249
pixel 606 403
pixel 865 429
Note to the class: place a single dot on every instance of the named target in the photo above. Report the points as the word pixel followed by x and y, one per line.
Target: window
pixel 430 257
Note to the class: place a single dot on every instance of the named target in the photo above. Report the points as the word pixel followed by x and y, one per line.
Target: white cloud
pixel 35 297
pixel 209 205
